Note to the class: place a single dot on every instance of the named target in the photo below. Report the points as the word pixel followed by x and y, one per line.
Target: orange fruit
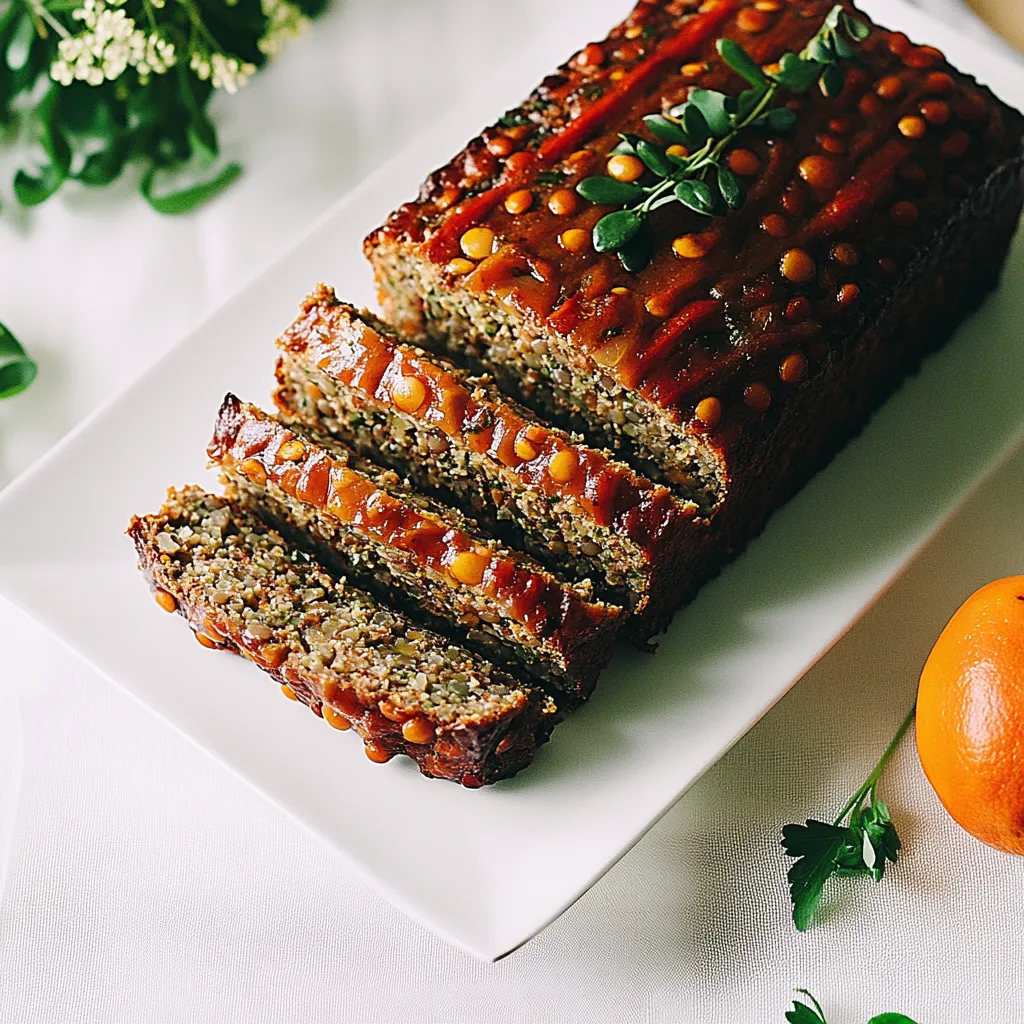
pixel 970 715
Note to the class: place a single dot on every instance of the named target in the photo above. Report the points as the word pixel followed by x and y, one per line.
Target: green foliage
pixel 802 1013
pixel 95 86
pixel 708 125
pixel 859 842
pixel 17 371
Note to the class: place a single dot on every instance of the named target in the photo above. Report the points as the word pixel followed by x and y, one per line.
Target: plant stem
pixel 876 772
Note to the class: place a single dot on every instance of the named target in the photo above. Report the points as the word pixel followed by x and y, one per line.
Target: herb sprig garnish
pixel 804 1014
pixel 706 126
pixel 844 848
pixel 17 371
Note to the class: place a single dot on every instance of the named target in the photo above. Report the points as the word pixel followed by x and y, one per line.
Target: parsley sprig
pixel 17 371
pixel 804 1014
pixel 860 841
pixel 707 125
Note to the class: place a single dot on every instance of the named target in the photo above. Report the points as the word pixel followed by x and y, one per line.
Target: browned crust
pixel 472 752
pixel 573 638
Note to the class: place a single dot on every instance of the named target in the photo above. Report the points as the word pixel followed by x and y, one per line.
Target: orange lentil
pixel 519 201
pixel 744 162
pixel 477 243
pixel 751 20
pixel 288 692
pixel 845 254
pixel 165 600
pixel 831 144
pixel 291 451
pixel 205 641
pixel 575 240
pixel 690 247
pixel 518 162
pixel 757 397
pixel 563 466
pixel 899 44
pixel 709 412
pixel 839 126
pixel 775 225
pixel 769 5
pixel 913 127
pixel 693 70
pixel 625 167
pixel 459 266
pixel 469 566
pixel 255 471
pixel 590 56
pixel 679 150
pixel 938 83
pixel 819 172
pixel 793 367
pixel 870 105
pixel 889 88
pixel 563 202
pixel 660 306
pixel 408 393
pixel 903 214
pixel 335 719
pixel 848 295
pixel 449 197
pixel 620 290
pixel 376 753
pixel 501 145
pixel 525 450
pixel 924 57
pixel 956 145
pixel 798 267
pixel 518 132
pixel 798 309
pixel 418 730
pixel 935 111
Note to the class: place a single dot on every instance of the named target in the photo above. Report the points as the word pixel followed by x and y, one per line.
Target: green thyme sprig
pixel 17 371
pixel 94 86
pixel 707 126
pixel 859 841
pixel 802 1013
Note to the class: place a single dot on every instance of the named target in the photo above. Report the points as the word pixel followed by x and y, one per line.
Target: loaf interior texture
pixel 413 551
pixel 582 513
pixel 753 345
pixel 355 662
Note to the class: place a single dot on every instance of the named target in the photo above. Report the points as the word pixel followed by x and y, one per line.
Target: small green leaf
pixel 816 845
pixel 654 158
pixel 833 81
pixel 695 125
pixel 613 231
pixel 607 190
pixel 713 106
pixel 665 130
pixel 638 251
pixel 747 101
pixel 17 371
pixel 820 49
pixel 741 62
pixel 188 199
pixel 21 43
pixel 845 49
pixel 782 119
pixel 804 1014
pixel 731 188
pixel 891 1018
pixel 697 195
pixel 31 191
pixel 797 74
pixel 855 28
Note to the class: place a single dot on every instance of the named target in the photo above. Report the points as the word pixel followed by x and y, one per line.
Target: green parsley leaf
pixel 816 845
pixel 713 105
pixel 665 130
pixel 741 62
pixel 804 1014
pixel 615 230
pixel 603 189
pixel 891 1018
pixel 17 371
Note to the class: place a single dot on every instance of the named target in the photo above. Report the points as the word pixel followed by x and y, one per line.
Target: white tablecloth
pixel 146 885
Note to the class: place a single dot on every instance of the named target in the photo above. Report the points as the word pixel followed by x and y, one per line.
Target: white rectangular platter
pixel 488 869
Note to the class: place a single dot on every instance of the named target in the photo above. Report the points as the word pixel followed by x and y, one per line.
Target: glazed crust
pixel 471 749
pixel 729 325
pixel 567 639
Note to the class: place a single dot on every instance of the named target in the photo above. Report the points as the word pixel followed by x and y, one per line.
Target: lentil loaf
pixel 754 344
pixel 243 587
pixel 344 373
pixel 421 555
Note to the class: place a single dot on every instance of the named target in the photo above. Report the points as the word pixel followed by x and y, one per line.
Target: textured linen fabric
pixel 146 885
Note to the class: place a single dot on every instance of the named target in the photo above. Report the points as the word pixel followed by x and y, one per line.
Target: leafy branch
pixel 860 841
pixel 802 1013
pixel 687 162
pixel 17 371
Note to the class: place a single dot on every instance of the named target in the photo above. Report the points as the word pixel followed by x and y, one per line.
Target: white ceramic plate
pixel 488 869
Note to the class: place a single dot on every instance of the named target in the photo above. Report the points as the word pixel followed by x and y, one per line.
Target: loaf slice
pixel 345 373
pixel 738 359
pixel 424 556
pixel 243 587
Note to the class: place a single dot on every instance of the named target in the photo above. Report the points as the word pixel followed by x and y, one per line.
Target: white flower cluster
pixel 110 44
pixel 284 22
pixel 224 72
